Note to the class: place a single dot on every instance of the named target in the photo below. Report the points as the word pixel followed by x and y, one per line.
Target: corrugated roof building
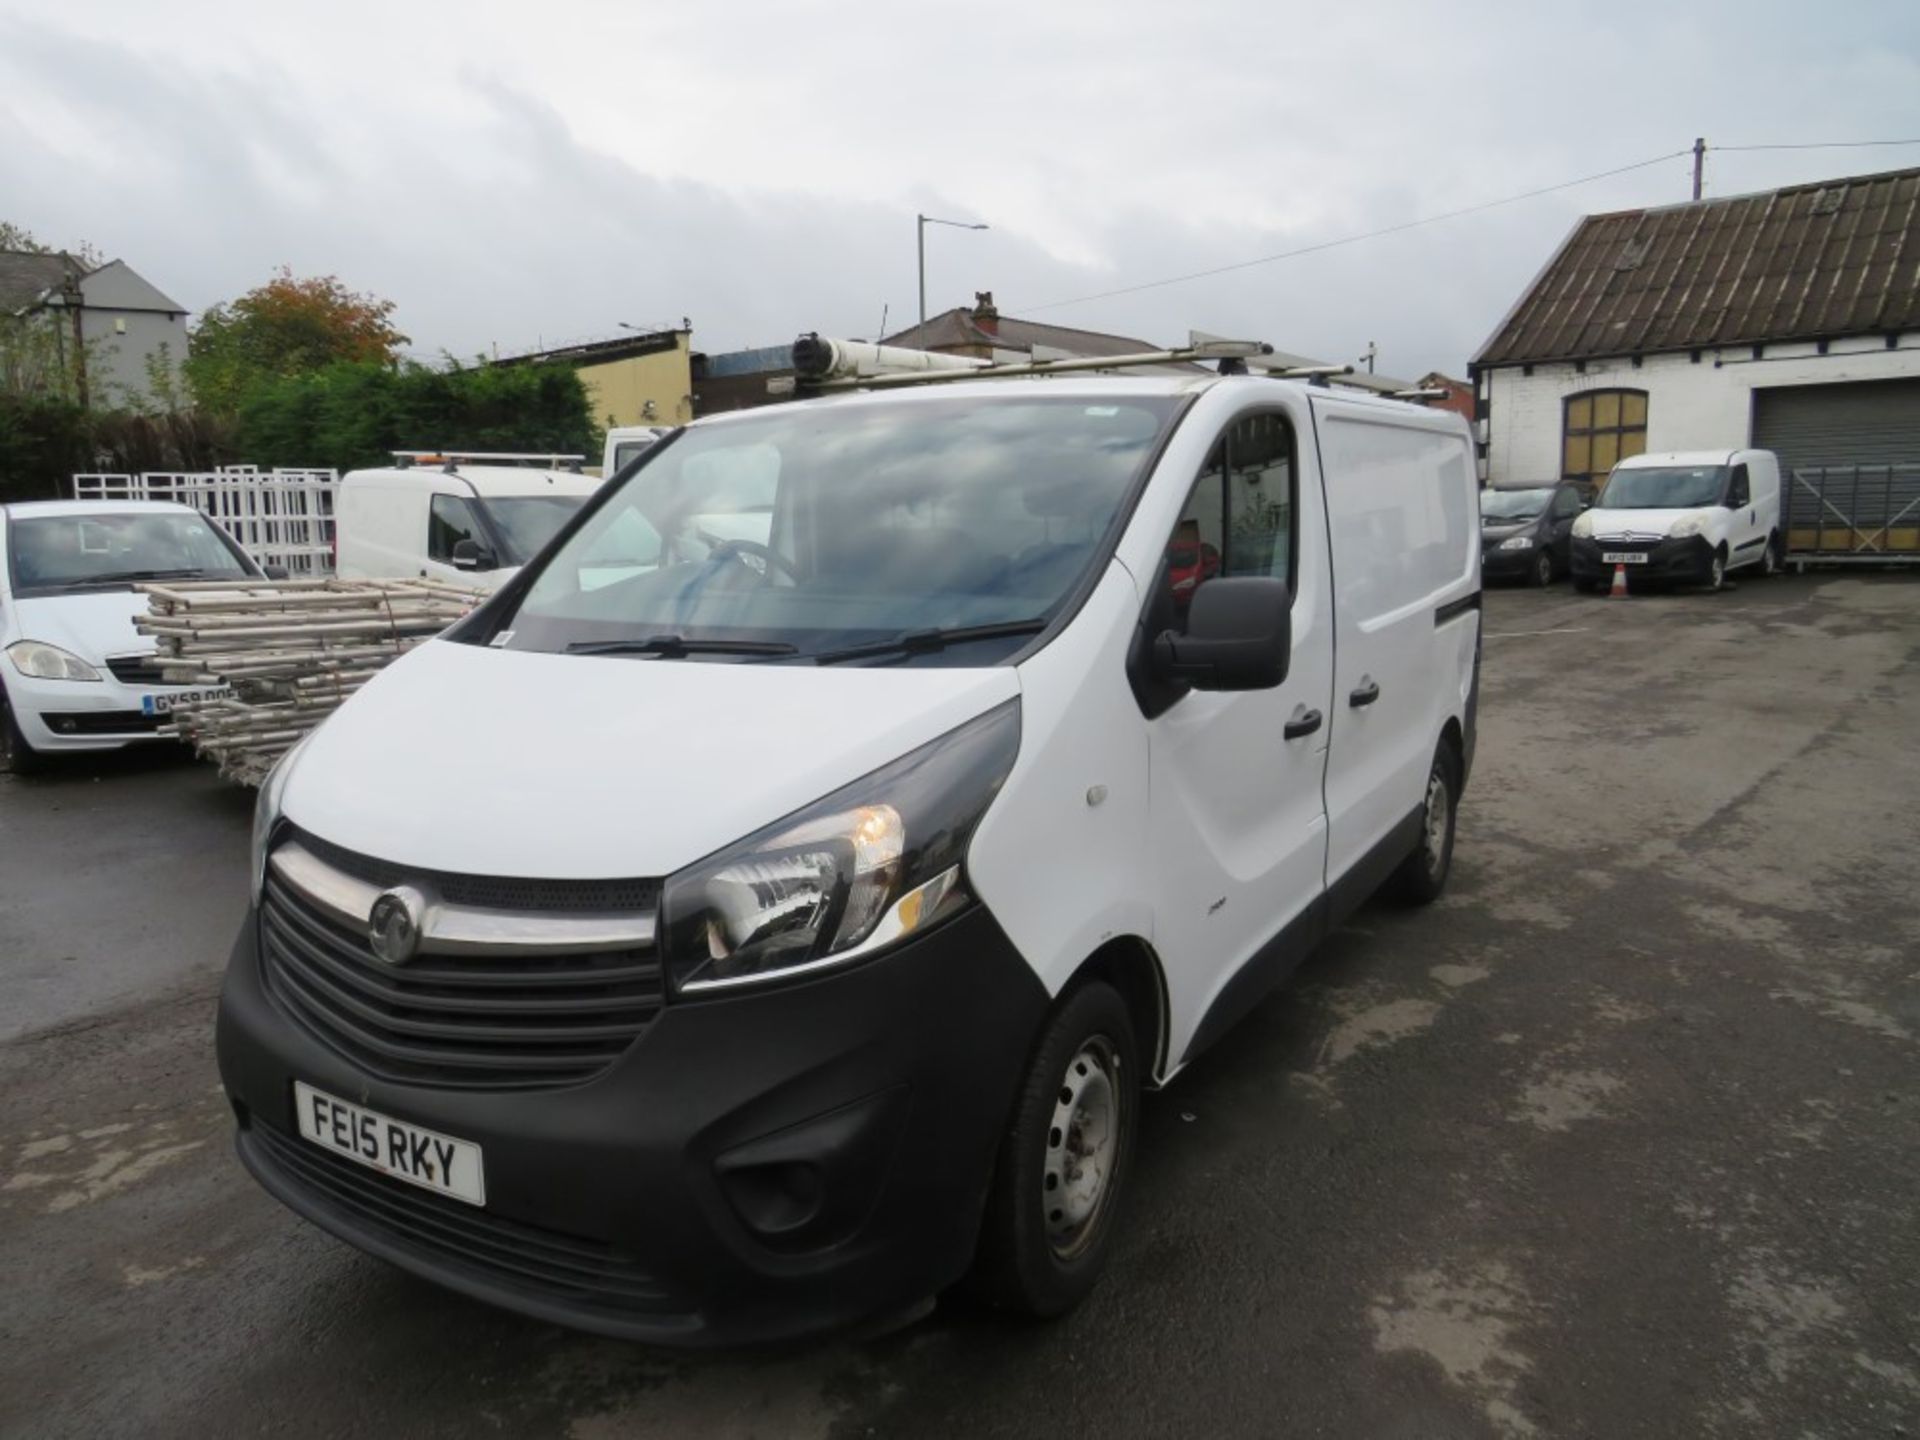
pixel 1787 320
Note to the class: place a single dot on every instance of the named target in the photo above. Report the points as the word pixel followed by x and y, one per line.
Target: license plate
pixel 163 704
pixel 1624 557
pixel 411 1153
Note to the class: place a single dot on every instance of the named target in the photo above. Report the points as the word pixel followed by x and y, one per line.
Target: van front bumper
pixel 753 1168
pixel 1672 562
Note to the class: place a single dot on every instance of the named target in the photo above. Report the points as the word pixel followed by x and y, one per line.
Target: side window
pixel 1739 493
pixel 1238 519
pixel 450 521
pixel 1566 503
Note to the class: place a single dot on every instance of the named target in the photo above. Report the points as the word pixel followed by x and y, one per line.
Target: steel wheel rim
pixel 1083 1142
pixel 1544 570
pixel 1717 574
pixel 1439 805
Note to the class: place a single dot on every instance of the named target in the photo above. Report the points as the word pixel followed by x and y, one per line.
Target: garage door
pixel 1850 455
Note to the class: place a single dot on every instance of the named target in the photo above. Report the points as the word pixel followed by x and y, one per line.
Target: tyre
pixel 1423 874
pixel 1717 570
pixel 1543 569
pixel 17 756
pixel 1064 1160
pixel 1770 557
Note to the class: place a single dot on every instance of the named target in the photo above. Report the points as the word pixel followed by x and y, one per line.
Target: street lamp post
pixel 921 223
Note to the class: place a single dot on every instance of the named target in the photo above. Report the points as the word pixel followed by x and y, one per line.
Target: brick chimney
pixel 985 315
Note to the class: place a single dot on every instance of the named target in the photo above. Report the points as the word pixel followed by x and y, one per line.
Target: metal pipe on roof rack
pixel 1212 350
pixel 819 357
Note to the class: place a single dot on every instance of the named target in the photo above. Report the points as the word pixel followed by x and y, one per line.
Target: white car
pixel 716 939
pixel 74 674
pixel 456 519
pixel 1687 517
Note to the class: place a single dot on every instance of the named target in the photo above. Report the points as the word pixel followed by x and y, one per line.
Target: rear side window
pixel 451 521
pixel 1238 519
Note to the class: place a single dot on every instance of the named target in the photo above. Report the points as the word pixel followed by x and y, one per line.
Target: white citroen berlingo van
pixel 471 519
pixel 715 939
pixel 1688 517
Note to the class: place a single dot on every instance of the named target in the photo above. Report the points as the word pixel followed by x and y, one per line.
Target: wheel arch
pixel 1132 967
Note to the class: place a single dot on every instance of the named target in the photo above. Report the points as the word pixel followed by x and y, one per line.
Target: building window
pixel 1603 427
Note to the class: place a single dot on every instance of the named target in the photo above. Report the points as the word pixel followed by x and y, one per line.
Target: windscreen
pixel 527 522
pixel 1513 504
pixel 1663 487
pixel 817 526
pixel 69 552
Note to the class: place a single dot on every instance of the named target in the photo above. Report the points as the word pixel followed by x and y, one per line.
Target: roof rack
pixel 451 460
pixel 1231 353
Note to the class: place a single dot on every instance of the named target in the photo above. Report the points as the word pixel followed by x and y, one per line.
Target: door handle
pixel 1303 723
pixel 1364 694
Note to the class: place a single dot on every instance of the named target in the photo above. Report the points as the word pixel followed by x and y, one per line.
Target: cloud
pixel 513 176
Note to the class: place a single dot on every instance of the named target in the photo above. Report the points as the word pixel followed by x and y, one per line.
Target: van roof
pixel 1677 457
pixel 485 481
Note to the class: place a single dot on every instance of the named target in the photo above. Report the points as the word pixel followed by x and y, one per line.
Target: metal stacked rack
pixel 283 654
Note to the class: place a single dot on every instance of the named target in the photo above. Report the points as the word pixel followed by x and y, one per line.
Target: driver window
pixel 1566 503
pixel 452 520
pixel 1737 490
pixel 1238 519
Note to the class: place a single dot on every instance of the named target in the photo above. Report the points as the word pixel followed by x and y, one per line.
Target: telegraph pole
pixel 1699 164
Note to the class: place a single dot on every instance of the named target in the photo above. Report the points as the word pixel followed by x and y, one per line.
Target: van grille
pixel 515 1022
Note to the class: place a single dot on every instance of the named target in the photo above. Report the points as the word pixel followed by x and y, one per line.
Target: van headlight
pixel 1686 527
pixel 849 875
pixel 1583 526
pixel 266 815
pixel 49 662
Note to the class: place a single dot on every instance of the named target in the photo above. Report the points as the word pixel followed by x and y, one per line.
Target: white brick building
pixel 1788 319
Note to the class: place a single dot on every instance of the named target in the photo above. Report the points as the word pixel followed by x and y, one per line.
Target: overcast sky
pixel 520 174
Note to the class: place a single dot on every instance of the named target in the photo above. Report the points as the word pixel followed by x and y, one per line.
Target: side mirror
pixel 1239 636
pixel 276 572
pixel 471 555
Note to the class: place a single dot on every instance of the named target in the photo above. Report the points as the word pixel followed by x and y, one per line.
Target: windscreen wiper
pixel 673 646
pixel 923 642
pixel 126 577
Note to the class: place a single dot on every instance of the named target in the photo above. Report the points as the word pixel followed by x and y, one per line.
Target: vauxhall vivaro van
pixel 767 909
pixel 1688 517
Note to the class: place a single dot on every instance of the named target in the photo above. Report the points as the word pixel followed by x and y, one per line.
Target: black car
pixel 1525 530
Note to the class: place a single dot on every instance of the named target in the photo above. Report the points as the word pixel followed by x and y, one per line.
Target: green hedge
pixel 353 414
pixel 42 442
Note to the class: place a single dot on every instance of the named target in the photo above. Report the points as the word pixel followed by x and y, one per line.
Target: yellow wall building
pixel 639 379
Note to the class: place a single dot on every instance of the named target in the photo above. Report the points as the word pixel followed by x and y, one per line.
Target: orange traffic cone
pixel 1619 591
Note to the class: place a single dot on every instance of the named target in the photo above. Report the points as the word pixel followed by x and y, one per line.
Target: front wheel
pixel 1717 570
pixel 1064 1160
pixel 1423 874
pixel 1543 569
pixel 17 756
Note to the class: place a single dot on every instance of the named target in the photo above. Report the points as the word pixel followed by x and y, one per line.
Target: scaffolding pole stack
pixel 282 654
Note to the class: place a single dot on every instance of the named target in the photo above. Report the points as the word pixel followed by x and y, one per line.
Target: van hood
pixel 91 625
pixel 1651 524
pixel 539 766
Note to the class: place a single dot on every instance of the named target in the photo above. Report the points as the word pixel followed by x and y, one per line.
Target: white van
pixel 1686 516
pixel 627 442
pixel 469 519
pixel 774 933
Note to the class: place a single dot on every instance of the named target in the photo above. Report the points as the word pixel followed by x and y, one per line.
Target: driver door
pixel 1238 825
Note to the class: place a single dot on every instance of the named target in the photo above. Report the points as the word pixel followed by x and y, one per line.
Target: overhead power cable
pixel 1817 145
pixel 1356 239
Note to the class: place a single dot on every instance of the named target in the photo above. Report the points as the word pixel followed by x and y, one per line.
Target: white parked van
pixel 625 443
pixel 1689 516
pixel 470 519
pixel 715 939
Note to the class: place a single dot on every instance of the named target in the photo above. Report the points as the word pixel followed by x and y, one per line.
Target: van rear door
pixel 1402 516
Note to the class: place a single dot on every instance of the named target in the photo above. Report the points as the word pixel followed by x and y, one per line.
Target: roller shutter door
pixel 1850 461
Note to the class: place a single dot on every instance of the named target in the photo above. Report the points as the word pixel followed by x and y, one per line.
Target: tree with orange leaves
pixel 288 326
